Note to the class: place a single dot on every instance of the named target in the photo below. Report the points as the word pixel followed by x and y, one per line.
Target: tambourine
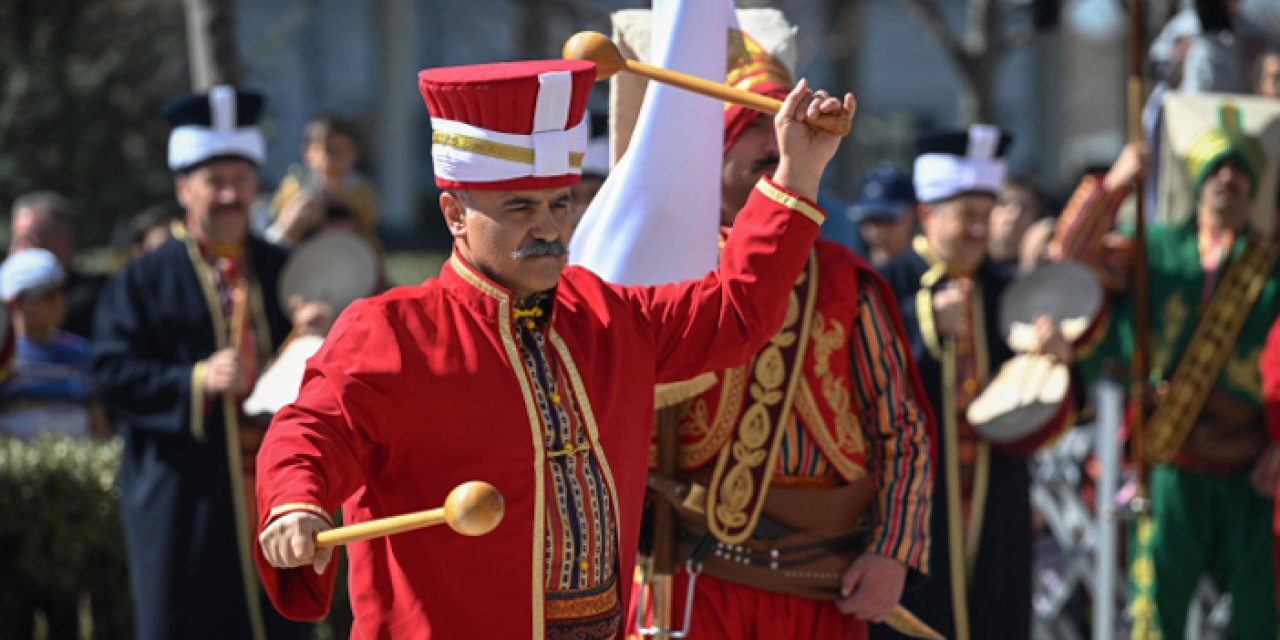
pixel 279 384
pixel 1021 407
pixel 1067 291
pixel 336 267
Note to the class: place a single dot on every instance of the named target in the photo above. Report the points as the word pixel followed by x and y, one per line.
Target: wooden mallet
pixel 472 509
pixel 598 48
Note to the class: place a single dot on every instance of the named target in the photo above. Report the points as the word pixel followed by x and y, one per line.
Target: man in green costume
pixel 1214 291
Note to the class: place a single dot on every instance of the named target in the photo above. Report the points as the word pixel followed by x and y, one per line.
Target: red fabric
pixel 527 183
pixel 737 118
pixel 1270 370
pixel 729 611
pixel 413 393
pixel 841 275
pixel 502 97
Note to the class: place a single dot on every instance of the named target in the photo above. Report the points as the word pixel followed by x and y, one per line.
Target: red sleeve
pixel 313 453
pixel 720 321
pixel 1270 370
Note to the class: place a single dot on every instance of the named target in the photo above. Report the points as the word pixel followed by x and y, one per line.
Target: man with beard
pixel 825 426
pixel 949 292
pixel 179 335
pixel 1214 292
pixel 513 369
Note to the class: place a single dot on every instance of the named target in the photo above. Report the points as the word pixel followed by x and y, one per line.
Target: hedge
pixel 62 554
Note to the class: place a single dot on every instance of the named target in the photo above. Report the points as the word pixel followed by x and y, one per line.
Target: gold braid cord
pixel 740 483
pixel 1211 346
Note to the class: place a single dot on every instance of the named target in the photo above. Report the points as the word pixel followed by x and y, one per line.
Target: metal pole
pixel 1106 550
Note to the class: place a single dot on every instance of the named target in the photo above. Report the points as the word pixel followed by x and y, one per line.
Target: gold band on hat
pixel 499 150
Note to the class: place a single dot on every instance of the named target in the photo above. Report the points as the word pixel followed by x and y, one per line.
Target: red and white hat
pixel 508 126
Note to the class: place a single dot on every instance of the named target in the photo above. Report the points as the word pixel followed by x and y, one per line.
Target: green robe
pixel 1176 287
pixel 1201 522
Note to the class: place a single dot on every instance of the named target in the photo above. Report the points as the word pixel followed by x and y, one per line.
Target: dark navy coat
pixel 153 324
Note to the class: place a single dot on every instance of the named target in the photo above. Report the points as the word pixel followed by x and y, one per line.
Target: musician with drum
pixel 181 333
pixel 949 292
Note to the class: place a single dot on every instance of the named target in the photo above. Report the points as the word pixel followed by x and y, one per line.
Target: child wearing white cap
pixel 49 389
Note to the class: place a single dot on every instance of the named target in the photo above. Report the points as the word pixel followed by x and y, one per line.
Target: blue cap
pixel 885 193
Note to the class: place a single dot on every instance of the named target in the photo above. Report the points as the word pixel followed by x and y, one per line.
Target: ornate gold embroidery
pixel 1172 317
pixel 735 496
pixel 806 407
pixel 1212 343
pixel 1242 373
pixel 835 388
pixel 707 433
pixel 825 342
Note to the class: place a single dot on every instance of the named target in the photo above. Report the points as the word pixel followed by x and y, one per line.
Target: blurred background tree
pixel 81 84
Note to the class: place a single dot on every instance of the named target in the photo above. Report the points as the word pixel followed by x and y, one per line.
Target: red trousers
pixel 730 611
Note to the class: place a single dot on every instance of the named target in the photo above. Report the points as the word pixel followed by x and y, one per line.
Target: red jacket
pixel 420 389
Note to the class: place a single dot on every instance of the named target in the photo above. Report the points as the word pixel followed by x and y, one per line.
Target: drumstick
pixel 598 48
pixel 472 509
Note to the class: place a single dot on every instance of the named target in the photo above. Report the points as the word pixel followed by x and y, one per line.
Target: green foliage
pixel 61 537
pixel 81 84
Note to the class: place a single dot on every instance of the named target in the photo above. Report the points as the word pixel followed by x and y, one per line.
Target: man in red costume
pixel 844 437
pixel 513 369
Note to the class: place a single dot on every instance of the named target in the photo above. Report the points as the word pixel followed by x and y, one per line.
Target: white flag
pixel 656 219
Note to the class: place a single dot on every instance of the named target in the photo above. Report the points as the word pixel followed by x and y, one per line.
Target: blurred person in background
pixel 44 219
pixel 181 334
pixel 49 389
pixel 1266 74
pixel 152 228
pixel 328 172
pixel 885 213
pixel 1224 46
pixel 1021 204
pixel 1034 250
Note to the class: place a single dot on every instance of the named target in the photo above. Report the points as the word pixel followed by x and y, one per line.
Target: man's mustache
pixel 766 162
pixel 228 208
pixel 539 249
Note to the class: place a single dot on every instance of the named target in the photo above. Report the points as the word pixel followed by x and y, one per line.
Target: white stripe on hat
pixel 551 152
pixel 222 108
pixel 190 145
pixel 939 176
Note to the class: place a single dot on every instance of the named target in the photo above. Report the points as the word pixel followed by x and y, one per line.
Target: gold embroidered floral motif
pixel 735 494
pixel 1172 318
pixel 1243 374
pixel 827 336
pixel 702 434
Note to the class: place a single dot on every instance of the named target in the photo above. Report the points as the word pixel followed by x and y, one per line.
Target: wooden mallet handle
pixel 598 48
pixel 472 509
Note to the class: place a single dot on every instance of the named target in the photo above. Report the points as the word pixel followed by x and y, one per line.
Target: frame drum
pixel 1018 410
pixel 336 267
